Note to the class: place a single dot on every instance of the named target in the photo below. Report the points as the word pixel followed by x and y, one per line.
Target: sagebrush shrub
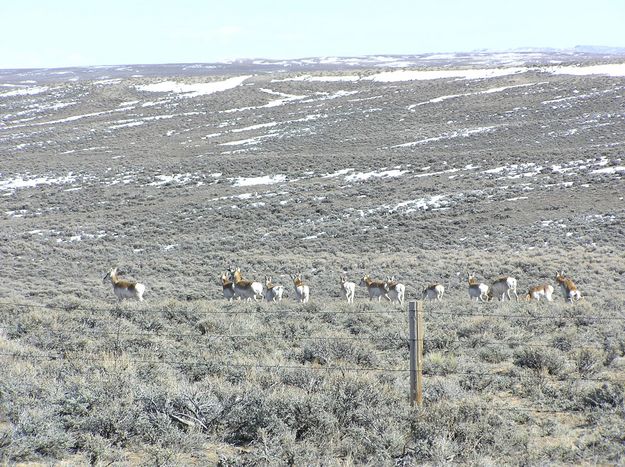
pixel 609 395
pixel 540 359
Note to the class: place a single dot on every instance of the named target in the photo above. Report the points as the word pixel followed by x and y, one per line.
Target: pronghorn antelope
pixel 302 291
pixel 544 290
pixel 274 291
pixel 228 286
pixel 124 288
pixel 568 288
pixel 348 289
pixel 396 290
pixel 433 292
pixel 502 287
pixel 477 290
pixel 244 288
pixel 377 289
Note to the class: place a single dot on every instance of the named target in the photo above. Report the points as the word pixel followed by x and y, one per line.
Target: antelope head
pixel 236 275
pixel 225 278
pixel 472 279
pixel 112 274
pixel 297 279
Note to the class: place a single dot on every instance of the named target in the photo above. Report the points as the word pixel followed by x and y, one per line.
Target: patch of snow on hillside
pixel 440 172
pixel 610 170
pixel 338 173
pixel 21 182
pixel 255 127
pixel 266 180
pixel 612 69
pixel 25 91
pixel 322 79
pixel 462 133
pixel 513 171
pixel 313 237
pixel 327 96
pixel 177 178
pixel 211 135
pixel 286 98
pixel 249 141
pixel 362 176
pixel 583 164
pixel 420 75
pixel 126 125
pixel 477 93
pixel 194 90
pixel 422 204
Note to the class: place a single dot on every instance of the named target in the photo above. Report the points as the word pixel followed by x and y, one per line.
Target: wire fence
pixel 399 338
pixel 262 308
pixel 71 356
pixel 117 315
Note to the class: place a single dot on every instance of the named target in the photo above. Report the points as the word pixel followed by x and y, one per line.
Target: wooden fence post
pixel 416 332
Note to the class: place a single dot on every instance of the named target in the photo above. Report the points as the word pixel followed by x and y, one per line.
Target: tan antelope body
pixel 245 289
pixel 477 290
pixel 433 292
pixel 125 288
pixel 538 291
pixel 228 287
pixel 396 290
pixel 375 288
pixel 503 287
pixel 348 289
pixel 568 288
pixel 302 291
pixel 273 291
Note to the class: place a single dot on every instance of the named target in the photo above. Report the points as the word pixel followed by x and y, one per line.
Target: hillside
pixel 425 168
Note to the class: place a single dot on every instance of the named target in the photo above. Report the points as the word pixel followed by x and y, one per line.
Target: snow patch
pixel 462 133
pixel 323 79
pixel 21 182
pixel 25 91
pixel 338 173
pixel 421 75
pixel 610 170
pixel 611 69
pixel 266 180
pixel 194 90
pixel 362 176
pixel 422 204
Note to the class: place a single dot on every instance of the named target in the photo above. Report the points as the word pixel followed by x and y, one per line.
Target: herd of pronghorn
pixel 236 287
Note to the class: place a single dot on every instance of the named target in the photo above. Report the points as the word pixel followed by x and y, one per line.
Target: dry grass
pixel 166 374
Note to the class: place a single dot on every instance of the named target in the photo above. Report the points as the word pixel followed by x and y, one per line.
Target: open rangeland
pixel 428 173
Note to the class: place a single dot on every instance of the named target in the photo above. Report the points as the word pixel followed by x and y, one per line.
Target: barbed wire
pixel 71 357
pixel 472 342
pixel 257 310
pixel 528 316
pixel 206 336
pixel 233 311
pixel 489 408
pixel 549 411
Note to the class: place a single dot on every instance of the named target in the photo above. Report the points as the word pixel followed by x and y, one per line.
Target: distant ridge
pixel 522 56
pixel 600 49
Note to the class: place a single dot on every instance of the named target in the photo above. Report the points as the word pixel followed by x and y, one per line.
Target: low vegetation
pixel 228 383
